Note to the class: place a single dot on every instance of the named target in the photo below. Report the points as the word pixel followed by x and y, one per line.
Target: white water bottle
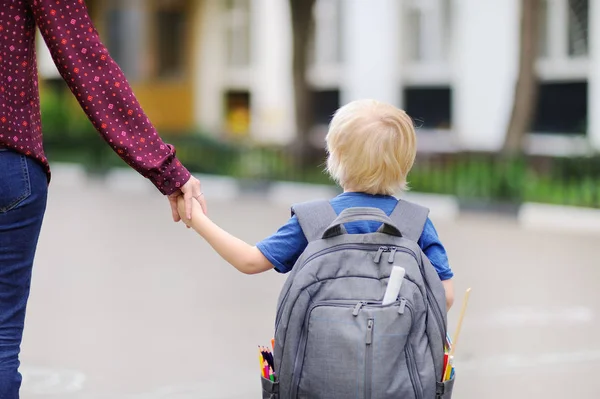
pixel 394 284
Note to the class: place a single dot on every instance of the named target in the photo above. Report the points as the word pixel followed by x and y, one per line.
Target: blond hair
pixel 371 147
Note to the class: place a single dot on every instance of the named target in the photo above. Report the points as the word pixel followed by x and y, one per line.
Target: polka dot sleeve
pixel 103 92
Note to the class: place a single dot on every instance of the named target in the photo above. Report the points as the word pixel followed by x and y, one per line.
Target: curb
pixel 534 216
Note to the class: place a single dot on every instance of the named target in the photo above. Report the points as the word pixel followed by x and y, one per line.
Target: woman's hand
pixel 191 194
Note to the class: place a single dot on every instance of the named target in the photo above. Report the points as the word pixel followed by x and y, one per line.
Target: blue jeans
pixel 23 192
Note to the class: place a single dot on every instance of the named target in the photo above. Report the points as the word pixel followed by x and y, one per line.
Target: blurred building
pixel 154 42
pixel 225 65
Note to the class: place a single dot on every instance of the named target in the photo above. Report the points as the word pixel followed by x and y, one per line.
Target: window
pixel 326 36
pixel 578 27
pixel 171 43
pixel 564 29
pixel 427 33
pixel 123 25
pixel 431 107
pixel 237 110
pixel 147 39
pixel 237 25
pixel 562 108
pixel 324 105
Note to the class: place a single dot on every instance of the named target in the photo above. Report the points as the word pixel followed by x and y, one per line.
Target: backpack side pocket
pixel 444 389
pixel 270 389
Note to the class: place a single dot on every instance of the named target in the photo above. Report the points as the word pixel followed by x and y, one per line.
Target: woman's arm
pixel 103 92
pixel 242 256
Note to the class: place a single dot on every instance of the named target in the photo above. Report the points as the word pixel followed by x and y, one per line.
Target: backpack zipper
pixel 392 254
pixel 380 251
pixel 438 318
pixel 413 372
pixel 369 358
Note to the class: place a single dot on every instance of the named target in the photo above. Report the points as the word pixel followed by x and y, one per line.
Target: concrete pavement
pixel 126 304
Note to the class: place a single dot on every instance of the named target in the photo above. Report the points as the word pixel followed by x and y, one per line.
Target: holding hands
pixel 190 194
pixel 195 211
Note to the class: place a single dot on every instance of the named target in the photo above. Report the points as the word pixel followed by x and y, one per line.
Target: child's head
pixel 371 146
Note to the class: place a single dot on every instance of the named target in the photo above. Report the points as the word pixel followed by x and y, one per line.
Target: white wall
pixel 268 78
pixel 485 70
pixel 209 80
pixel 371 51
pixel 271 83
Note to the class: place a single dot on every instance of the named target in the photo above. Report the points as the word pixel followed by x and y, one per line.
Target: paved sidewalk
pixel 128 305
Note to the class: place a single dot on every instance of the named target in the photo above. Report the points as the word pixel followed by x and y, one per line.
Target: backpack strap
pixel 314 217
pixel 410 219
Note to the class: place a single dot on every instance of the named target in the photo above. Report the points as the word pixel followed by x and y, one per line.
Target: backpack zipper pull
pixel 357 308
pixel 392 255
pixel 402 306
pixel 380 251
pixel 369 339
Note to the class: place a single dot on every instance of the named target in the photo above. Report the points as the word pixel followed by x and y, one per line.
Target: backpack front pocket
pixel 351 349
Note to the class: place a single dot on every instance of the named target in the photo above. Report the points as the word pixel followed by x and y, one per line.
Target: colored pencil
pixel 266 370
pixel 460 320
pixel 261 361
pixel 449 368
pixel 445 365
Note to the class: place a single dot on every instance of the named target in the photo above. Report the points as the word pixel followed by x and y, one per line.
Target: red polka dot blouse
pixel 94 78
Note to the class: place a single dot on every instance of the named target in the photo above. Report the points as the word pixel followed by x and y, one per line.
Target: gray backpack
pixel 333 338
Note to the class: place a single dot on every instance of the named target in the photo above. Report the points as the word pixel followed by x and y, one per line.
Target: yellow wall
pixel 168 105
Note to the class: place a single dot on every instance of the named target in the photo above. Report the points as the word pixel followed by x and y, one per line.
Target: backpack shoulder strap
pixel 410 219
pixel 314 217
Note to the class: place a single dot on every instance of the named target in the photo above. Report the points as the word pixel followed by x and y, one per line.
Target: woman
pixel 106 97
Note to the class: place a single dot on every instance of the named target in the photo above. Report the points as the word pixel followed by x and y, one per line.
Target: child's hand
pixel 196 207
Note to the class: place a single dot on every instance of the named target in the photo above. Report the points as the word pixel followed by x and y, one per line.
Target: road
pixel 125 304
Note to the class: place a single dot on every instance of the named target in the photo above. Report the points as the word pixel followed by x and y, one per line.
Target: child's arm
pixel 242 256
pixel 449 288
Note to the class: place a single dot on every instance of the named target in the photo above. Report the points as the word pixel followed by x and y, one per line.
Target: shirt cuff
pixel 446 275
pixel 171 177
pixel 278 266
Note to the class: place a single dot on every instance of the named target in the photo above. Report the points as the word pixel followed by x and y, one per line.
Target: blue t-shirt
pixel 284 247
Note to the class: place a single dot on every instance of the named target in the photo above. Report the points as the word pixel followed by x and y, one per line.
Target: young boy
pixel 371 148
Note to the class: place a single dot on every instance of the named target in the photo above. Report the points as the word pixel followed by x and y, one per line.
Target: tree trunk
pixel 302 23
pixel 526 91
